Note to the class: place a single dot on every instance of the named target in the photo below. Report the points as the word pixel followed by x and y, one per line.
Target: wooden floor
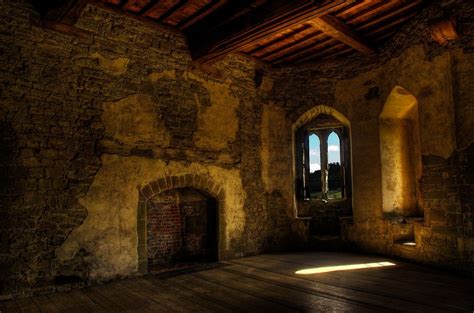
pixel 268 283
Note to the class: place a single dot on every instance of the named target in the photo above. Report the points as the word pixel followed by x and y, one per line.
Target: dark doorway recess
pixel 182 230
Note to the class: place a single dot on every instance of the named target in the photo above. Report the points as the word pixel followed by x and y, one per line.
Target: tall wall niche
pixel 401 155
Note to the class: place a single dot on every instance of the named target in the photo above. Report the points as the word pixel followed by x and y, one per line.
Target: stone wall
pixel 440 78
pixel 87 121
pixel 91 126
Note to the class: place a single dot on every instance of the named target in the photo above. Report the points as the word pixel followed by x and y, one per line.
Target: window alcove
pixel 400 155
pixel 323 172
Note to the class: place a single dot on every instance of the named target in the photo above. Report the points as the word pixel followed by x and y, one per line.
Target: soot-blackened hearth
pixel 181 229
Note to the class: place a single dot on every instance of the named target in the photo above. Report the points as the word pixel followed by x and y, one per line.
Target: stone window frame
pixel 323 136
pixel 201 183
pixel 299 122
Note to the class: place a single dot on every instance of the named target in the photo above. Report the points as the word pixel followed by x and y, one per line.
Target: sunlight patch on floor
pixel 335 268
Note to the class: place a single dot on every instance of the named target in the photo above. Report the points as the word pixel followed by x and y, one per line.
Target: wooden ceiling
pixel 276 32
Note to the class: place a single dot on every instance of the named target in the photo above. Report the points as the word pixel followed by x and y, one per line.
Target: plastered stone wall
pixel 110 228
pixel 441 81
pixel 88 120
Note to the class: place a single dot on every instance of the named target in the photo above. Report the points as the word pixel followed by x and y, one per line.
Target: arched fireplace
pixel 178 223
pixel 181 229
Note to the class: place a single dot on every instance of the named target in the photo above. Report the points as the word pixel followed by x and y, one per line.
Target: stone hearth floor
pixel 296 282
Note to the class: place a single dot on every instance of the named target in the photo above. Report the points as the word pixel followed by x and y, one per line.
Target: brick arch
pixel 202 183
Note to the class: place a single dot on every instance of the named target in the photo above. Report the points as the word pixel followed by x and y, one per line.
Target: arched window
pixel 335 179
pixel 322 159
pixel 315 185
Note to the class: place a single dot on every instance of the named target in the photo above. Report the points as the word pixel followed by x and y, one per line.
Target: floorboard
pixel 270 283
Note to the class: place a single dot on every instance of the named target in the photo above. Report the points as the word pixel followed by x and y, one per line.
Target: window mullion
pixel 324 163
pixel 306 166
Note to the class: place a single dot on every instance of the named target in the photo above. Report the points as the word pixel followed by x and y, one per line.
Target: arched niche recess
pixel 400 154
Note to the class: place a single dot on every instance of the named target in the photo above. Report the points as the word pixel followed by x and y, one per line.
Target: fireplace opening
pixel 181 230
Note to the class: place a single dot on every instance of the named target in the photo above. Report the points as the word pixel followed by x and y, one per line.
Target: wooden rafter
pixel 265 21
pixel 338 30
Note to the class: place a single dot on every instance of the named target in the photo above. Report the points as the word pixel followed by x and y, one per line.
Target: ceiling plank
pixel 122 3
pixel 317 46
pixel 335 28
pixel 354 9
pixel 322 53
pixel 148 7
pixel 263 22
pixel 395 13
pixel 335 54
pixel 173 10
pixel 150 22
pixel 278 39
pixel 370 12
pixel 390 25
pixel 294 45
pixel 201 13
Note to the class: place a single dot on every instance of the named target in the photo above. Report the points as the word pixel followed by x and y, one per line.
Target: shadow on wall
pixel 8 152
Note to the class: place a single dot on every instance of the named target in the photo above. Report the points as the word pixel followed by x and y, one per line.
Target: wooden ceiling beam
pixel 273 31
pixel 335 28
pixel 263 22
